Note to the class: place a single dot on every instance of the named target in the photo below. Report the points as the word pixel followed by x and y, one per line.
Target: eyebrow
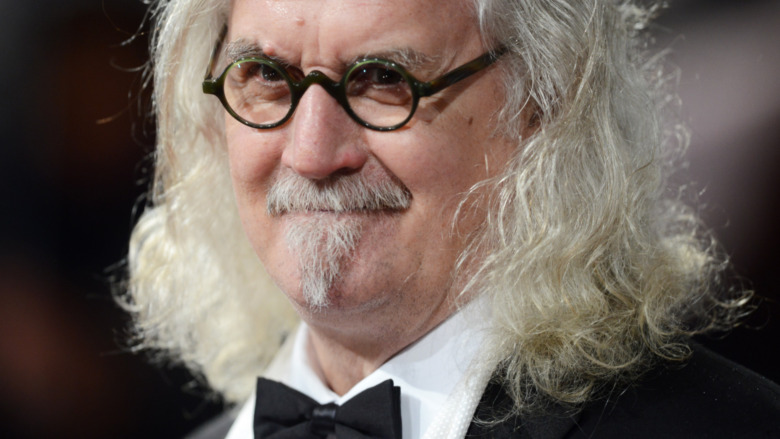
pixel 236 50
pixel 409 58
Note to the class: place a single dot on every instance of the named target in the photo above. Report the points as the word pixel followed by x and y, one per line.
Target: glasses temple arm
pixel 460 73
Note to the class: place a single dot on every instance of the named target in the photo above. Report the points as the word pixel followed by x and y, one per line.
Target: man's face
pixel 398 257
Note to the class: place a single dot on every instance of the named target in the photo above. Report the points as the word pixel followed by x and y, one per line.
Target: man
pixel 462 198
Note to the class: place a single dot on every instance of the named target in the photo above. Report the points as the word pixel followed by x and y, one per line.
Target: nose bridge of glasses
pixel 317 77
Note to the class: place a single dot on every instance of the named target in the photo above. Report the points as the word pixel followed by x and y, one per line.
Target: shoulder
pixel 708 396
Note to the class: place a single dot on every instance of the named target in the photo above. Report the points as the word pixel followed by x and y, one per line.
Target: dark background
pixel 74 163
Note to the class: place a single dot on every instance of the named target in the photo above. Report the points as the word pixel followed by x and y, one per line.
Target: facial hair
pixel 325 238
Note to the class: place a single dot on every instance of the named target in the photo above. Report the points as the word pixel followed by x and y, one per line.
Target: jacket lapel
pixel 493 419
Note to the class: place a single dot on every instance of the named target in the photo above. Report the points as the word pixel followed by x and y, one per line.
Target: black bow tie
pixel 285 413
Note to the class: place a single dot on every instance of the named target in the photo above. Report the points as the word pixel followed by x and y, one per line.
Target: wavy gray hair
pixel 592 268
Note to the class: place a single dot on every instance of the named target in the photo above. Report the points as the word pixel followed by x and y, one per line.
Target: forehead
pixel 321 32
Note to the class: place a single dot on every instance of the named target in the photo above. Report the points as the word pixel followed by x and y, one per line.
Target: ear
pixel 532 116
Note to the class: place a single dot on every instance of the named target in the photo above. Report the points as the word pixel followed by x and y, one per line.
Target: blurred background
pixel 74 164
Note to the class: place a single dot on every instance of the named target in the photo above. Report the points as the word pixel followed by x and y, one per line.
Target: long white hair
pixel 593 265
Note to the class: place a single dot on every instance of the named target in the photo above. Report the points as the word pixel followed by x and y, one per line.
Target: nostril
pixel 345 171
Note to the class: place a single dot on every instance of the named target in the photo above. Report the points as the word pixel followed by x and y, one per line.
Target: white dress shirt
pixel 441 377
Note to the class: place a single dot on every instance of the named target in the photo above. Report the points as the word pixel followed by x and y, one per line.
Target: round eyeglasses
pixel 376 93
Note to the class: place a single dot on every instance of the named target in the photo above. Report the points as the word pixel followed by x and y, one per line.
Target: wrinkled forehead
pixel 327 32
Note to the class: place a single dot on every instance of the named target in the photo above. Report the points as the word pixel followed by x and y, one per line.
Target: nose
pixel 324 140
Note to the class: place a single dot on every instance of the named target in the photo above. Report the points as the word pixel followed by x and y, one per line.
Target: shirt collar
pixel 427 371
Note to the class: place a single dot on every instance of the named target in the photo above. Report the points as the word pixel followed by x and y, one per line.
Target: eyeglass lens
pixel 379 94
pixel 259 91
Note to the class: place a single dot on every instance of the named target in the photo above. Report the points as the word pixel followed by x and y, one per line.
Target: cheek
pixel 441 163
pixel 440 168
pixel 457 148
pixel 253 162
pixel 253 158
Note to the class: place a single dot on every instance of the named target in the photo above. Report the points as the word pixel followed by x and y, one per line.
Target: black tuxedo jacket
pixel 708 397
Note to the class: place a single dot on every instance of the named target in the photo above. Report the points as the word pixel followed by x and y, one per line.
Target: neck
pixel 347 353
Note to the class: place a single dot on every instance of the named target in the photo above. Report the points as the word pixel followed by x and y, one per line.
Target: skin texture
pixel 397 284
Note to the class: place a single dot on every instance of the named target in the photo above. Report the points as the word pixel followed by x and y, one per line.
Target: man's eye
pixel 372 78
pixel 264 72
pixel 386 76
pixel 373 75
pixel 378 83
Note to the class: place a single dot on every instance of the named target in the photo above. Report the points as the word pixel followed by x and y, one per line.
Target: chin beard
pixel 324 243
pixel 325 236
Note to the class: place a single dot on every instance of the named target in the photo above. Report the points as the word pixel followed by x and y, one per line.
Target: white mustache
pixel 292 193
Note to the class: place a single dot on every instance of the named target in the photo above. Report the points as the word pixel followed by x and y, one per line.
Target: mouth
pixel 337 215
